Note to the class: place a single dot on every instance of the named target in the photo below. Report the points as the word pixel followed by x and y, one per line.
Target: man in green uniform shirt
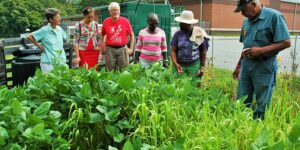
pixel 264 34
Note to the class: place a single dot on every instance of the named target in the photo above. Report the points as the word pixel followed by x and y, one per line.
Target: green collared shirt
pixel 268 28
pixel 52 41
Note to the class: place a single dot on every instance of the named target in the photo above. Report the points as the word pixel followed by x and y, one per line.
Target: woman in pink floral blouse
pixel 87 40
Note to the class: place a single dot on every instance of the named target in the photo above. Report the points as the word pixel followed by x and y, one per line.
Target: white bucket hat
pixel 187 17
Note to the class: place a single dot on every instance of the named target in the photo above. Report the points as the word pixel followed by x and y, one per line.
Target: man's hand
pixel 236 72
pixel 129 50
pixel 253 52
pixel 42 49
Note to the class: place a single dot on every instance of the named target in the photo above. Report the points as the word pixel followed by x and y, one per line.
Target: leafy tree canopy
pixel 17 15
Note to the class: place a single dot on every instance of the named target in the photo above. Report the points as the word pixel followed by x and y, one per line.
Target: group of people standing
pixel 91 41
pixel 264 34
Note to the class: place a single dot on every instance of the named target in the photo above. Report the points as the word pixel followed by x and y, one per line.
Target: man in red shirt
pixel 115 30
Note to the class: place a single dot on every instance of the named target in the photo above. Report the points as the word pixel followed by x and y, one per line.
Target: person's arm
pixel 130 49
pixel 272 49
pixel 130 32
pixel 136 56
pixel 174 48
pixel 32 40
pixel 103 44
pixel 76 41
pixel 202 64
pixel 138 48
pixel 76 50
pixel 203 58
pixel 163 47
pixel 103 38
pixel 165 60
pixel 98 36
pixel 236 71
pixel 99 48
pixel 203 49
pixel 174 60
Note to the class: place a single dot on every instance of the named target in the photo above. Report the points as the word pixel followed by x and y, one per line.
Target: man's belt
pixel 121 46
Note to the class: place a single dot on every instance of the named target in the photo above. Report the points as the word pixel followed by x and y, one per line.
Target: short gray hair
pixel 113 5
pixel 50 13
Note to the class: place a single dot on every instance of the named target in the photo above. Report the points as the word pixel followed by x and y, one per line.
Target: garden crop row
pixel 140 109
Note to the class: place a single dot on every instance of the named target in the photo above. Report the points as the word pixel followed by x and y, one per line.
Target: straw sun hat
pixel 187 17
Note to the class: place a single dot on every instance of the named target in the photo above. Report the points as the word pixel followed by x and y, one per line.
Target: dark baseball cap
pixel 241 5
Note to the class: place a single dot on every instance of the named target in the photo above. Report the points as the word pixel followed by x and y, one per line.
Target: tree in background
pixel 17 15
pixel 66 7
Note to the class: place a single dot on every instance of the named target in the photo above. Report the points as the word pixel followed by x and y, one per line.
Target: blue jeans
pixel 257 78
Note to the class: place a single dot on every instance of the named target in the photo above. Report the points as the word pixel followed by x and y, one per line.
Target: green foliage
pixel 17 15
pixel 66 7
pixel 127 146
pixel 125 80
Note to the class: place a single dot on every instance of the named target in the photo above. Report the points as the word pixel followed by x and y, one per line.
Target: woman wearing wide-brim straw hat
pixel 188 48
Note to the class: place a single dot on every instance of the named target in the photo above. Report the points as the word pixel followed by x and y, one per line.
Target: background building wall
pixel 220 16
pixel 291 14
pixel 223 16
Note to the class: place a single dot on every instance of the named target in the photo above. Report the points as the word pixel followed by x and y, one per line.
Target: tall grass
pixel 213 119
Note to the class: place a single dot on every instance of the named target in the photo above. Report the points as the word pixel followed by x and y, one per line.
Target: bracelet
pixel 166 60
pixel 202 67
